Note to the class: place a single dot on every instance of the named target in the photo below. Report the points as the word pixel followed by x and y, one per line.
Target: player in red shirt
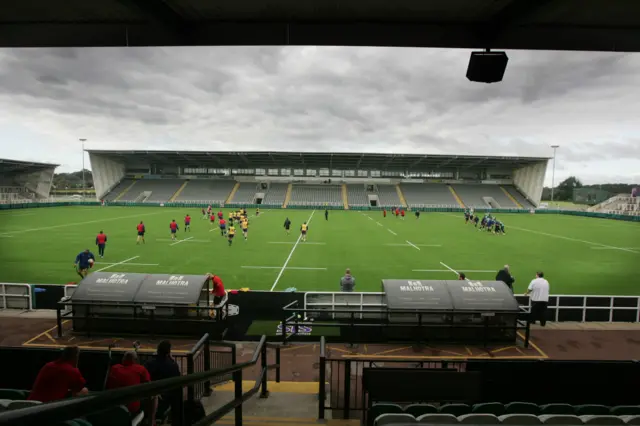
pixel 57 378
pixel 129 373
pixel 397 212
pixel 220 215
pixel 173 226
pixel 402 213
pixel 187 223
pixel 101 242
pixel 223 226
pixel 141 230
pixel 212 219
pixel 384 212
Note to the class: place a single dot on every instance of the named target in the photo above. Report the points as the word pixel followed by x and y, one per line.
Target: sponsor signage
pixel 303 330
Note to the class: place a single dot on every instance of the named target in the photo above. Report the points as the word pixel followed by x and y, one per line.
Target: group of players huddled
pixel 227 227
pixel 487 223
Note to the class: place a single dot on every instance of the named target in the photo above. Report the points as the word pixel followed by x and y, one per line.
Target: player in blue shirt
pixel 84 261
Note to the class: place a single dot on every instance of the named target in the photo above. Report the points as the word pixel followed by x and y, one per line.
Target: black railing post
pixel 322 379
pixel 207 366
pixel 347 389
pixel 284 328
pixel 278 364
pixel 59 321
pixel 527 333
pixel 237 378
pixel 190 370
pixel 264 393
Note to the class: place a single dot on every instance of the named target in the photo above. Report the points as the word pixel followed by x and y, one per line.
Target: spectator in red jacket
pixel 128 373
pixel 59 379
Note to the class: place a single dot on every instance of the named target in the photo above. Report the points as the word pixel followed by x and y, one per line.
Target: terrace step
pixel 124 191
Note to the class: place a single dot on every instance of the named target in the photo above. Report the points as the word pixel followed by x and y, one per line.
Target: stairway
pixel 511 197
pixel 125 191
pixel 401 195
pixel 456 196
pixel 232 193
pixel 287 197
pixel 177 193
pixel 345 197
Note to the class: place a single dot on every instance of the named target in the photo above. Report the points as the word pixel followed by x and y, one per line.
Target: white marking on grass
pixel 128 264
pixel 413 245
pixel 300 268
pixel 190 239
pixel 47 228
pixel 118 263
pixel 181 241
pixel 293 242
pixel 286 262
pixel 379 224
pixel 419 245
pixel 392 232
pixel 449 270
pixel 613 248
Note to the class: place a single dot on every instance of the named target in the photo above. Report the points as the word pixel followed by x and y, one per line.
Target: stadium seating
pixel 388 196
pixel 428 195
pixel 472 196
pixel 206 191
pixel 246 193
pixel 518 196
pixel 357 195
pixel 316 195
pixel 161 190
pixel 276 194
pixel 117 190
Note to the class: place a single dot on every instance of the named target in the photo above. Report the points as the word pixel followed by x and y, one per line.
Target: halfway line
pixel 181 241
pixel 286 262
pixel 119 263
pixel 413 245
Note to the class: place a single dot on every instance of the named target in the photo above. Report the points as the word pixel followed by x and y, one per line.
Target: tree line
pixel 564 190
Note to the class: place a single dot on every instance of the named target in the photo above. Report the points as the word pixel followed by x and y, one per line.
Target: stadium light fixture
pixel 553 172
pixel 83 140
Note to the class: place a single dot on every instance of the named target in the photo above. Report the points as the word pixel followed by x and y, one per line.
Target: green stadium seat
pixel 438 419
pixel 13 394
pixel 602 420
pixel 625 410
pixel 16 405
pixel 478 419
pixel 455 409
pixel 631 420
pixel 519 419
pixel 495 408
pixel 560 419
pixel 416 410
pixel 384 408
pixel 115 416
pixel 566 409
pixel 592 410
pixel 395 418
pixel 522 408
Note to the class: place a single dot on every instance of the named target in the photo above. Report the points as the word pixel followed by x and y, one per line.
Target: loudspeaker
pixel 487 67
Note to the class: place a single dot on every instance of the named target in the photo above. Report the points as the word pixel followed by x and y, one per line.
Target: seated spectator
pixel 129 373
pixel 348 282
pixel 462 276
pixel 59 379
pixel 163 366
pixel 505 276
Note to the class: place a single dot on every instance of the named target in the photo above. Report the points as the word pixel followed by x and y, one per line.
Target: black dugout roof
pixel 314 160
pixel 604 25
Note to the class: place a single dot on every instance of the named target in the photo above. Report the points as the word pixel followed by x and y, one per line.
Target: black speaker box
pixel 487 67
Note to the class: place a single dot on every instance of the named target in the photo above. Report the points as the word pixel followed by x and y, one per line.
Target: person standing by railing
pixel 538 291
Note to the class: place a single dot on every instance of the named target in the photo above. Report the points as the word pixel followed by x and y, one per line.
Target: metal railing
pixel 16 296
pixel 60 411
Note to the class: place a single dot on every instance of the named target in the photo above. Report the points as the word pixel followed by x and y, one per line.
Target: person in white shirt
pixel 538 291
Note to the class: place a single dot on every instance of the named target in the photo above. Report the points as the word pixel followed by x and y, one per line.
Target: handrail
pixel 68 409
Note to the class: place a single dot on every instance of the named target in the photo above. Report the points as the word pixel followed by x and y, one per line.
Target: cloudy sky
pixel 323 99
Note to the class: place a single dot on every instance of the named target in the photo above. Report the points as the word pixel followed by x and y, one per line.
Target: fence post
pixel 59 321
pixel 322 387
pixel 264 393
pixel 278 364
pixel 190 370
pixel 237 378
pixel 347 389
pixel 207 366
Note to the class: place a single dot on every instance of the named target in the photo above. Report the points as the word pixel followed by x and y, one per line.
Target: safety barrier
pixel 16 296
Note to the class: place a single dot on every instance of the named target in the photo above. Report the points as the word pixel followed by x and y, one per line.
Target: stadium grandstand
pixel 336 180
pixel 25 181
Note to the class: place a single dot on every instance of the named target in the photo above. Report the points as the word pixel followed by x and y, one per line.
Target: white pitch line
pixel 413 245
pixel 301 268
pixel 379 224
pixel 46 228
pixel 452 270
pixel 293 242
pixel 612 248
pixel 181 241
pixel 119 263
pixel 128 264
pixel 449 270
pixel 391 231
pixel 286 262
pixel 419 245
pixel 192 240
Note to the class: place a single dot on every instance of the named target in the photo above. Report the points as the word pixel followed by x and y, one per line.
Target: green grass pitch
pixel 578 255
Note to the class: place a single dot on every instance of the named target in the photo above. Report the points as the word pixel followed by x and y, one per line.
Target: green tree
pixel 564 190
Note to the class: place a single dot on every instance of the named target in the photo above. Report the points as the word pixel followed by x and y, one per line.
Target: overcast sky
pixel 323 99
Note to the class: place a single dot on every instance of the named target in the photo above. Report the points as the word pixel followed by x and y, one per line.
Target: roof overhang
pixel 314 160
pixel 16 166
pixel 593 25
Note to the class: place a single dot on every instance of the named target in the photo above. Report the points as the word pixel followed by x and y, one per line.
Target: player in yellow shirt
pixel 230 234
pixel 257 212
pixel 245 227
pixel 303 231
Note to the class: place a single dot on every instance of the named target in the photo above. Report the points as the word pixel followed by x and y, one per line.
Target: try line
pixel 286 262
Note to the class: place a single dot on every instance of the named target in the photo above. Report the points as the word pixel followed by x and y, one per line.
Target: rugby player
pixel 417 214
pixel 257 212
pixel 244 224
pixel 187 223
pixel 220 215
pixel 101 242
pixel 84 261
pixel 141 230
pixel 212 219
pixel 173 226
pixel 204 213
pixel 231 234
pixel 223 227
pixel 326 214
pixel 287 226
pixel 303 231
